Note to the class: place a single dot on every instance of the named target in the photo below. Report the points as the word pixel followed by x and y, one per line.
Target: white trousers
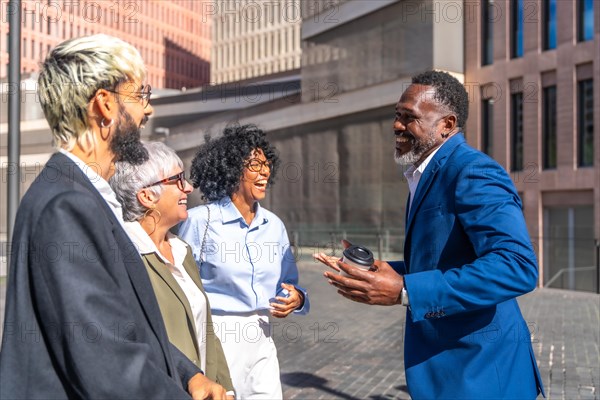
pixel 251 354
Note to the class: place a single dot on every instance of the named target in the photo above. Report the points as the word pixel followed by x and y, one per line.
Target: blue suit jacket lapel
pixel 439 159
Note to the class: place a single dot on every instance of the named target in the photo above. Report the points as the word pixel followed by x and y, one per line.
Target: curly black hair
pixel 218 165
pixel 448 91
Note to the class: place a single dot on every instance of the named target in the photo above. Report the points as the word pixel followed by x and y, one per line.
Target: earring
pixel 150 211
pixel 147 213
pixel 155 219
pixel 103 125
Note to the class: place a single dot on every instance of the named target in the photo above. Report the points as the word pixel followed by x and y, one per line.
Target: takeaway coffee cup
pixel 359 257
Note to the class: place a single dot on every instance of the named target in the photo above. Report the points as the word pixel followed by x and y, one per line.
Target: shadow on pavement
pixel 306 380
pixel 401 388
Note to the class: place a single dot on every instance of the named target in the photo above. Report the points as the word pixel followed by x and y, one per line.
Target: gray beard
pixel 416 152
pixel 409 158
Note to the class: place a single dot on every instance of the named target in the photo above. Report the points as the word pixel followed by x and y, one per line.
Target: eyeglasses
pixel 143 95
pixel 256 164
pixel 179 179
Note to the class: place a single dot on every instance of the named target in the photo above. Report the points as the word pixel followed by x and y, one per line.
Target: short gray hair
pixel 129 179
pixel 73 72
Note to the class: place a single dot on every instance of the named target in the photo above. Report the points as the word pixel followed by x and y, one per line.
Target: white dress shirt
pixel 413 175
pixel 99 183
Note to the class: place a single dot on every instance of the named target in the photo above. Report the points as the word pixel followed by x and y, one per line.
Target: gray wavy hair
pixel 129 179
pixel 73 72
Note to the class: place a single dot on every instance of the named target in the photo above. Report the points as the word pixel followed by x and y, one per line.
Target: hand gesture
pixel 380 286
pixel 285 305
pixel 331 261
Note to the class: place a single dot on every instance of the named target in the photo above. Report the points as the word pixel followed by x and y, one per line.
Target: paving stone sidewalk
pixel 346 350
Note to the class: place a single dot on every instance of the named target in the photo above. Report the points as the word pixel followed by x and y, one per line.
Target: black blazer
pixel 81 317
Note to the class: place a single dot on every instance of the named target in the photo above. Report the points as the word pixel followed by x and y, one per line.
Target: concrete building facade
pixel 334 134
pixel 173 37
pixel 532 68
pixel 253 38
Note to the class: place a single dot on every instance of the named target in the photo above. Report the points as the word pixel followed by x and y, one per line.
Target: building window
pixel 487 127
pixel 549 128
pixel 487 33
pixel 516 133
pixel 516 25
pixel 549 25
pixel 585 123
pixel 585 20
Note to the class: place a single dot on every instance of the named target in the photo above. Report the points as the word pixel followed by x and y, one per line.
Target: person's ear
pixel 450 122
pixel 448 125
pixel 146 198
pixel 104 105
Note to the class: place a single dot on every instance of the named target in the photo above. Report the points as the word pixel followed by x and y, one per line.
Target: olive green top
pixel 179 321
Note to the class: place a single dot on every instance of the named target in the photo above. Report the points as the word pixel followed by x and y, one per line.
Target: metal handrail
pixel 561 271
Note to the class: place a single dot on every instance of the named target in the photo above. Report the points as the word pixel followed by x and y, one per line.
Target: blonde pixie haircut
pixel 73 72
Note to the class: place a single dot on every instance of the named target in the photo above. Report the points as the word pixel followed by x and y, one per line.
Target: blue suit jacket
pixel 467 257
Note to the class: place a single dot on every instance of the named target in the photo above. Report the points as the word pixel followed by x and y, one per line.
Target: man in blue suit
pixel 467 256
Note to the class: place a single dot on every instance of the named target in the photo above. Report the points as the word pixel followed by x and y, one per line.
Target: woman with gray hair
pixel 154 199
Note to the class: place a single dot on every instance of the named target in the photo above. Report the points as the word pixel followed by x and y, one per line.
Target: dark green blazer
pixel 177 315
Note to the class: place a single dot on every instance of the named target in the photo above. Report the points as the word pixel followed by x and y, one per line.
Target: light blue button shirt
pixel 242 266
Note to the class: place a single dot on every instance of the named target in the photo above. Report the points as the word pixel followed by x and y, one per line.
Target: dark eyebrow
pixel 405 110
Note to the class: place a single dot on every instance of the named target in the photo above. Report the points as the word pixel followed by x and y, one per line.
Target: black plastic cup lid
pixel 359 255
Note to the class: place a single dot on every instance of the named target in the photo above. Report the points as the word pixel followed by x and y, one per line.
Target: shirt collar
pixel 99 183
pixel 413 171
pixel 145 245
pixel 230 213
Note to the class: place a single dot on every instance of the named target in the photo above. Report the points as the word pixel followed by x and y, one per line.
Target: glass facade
pixel 549 148
pixel 516 143
pixel 549 26
pixel 569 259
pixel 516 25
pixel 487 126
pixel 585 20
pixel 487 33
pixel 585 123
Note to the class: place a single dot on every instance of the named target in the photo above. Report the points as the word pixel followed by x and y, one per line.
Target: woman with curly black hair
pixel 243 252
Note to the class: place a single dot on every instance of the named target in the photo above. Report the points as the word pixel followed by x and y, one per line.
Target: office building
pixel 532 68
pixel 254 38
pixel 173 37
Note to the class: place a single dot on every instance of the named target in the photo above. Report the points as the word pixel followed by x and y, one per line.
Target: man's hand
pixel 331 261
pixel 286 305
pixel 381 286
pixel 201 388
